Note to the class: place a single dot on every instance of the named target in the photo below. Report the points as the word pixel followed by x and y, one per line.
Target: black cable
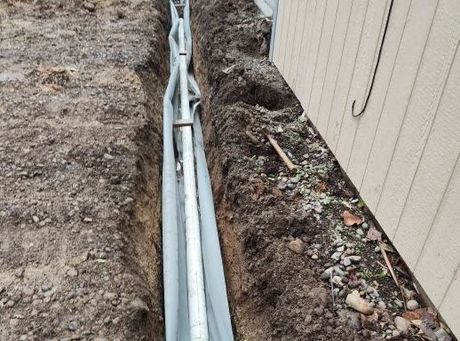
pixel 375 69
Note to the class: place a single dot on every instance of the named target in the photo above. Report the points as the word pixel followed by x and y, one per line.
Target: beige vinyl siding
pixel 402 154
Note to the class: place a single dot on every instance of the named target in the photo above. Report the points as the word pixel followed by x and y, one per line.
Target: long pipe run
pixel 195 280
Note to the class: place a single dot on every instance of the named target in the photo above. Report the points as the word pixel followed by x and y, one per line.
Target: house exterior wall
pixel 402 154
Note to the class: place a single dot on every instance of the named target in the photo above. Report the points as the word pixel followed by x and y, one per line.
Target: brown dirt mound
pixel 80 158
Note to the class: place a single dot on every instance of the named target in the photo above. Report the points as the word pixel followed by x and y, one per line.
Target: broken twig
pixel 392 272
pixel 281 153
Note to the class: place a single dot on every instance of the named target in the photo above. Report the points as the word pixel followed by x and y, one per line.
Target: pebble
pixel 346 261
pixel 72 272
pixel 296 246
pixel 381 305
pixel 47 285
pixel 19 273
pixel 336 255
pixel 27 291
pixel 110 296
pixel 139 305
pixel 395 333
pixel 441 335
pixel 402 324
pixel 355 259
pixel 89 6
pixel 314 256
pixel 337 281
pixel 412 305
pixel 355 301
pixel 35 219
pixel 409 294
pixel 73 325
pixel 337 271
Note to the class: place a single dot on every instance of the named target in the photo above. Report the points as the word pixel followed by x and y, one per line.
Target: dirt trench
pixel 81 85
pixel 273 293
pixel 281 230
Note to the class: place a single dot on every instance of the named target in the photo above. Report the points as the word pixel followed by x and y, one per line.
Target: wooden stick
pixel 281 153
pixel 390 267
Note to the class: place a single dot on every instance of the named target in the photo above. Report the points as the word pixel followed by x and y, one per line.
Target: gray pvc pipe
pixel 174 245
pixel 169 215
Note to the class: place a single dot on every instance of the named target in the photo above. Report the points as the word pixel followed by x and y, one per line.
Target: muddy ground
pixel 80 158
pixel 282 232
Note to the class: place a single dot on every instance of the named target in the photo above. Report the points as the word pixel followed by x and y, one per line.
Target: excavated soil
pixel 81 84
pixel 279 229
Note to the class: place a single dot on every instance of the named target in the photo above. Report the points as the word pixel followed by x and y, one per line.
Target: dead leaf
pixel 426 315
pixel 373 234
pixel 349 219
pixel 320 187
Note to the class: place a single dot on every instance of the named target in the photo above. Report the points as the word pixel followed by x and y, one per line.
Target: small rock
pixel 402 324
pixel 87 220
pixel 314 256
pixel 19 273
pixel 47 285
pixel 73 325
pixel 336 255
pixel 35 219
pixel 109 296
pixel 108 157
pixel 412 305
pixel 355 301
pixel 441 335
pixel 296 246
pixel 27 291
pixel 381 305
pixel 89 6
pixel 138 305
pixel 355 259
pixel 337 281
pixel 409 294
pixel 346 261
pixel 72 272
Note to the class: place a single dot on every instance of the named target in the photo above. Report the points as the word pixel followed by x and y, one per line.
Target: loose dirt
pixel 80 159
pixel 279 229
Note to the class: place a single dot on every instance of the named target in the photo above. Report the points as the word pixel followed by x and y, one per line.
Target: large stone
pixel 355 301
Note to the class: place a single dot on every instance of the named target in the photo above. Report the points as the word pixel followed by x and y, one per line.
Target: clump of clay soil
pixel 80 159
pixel 290 259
